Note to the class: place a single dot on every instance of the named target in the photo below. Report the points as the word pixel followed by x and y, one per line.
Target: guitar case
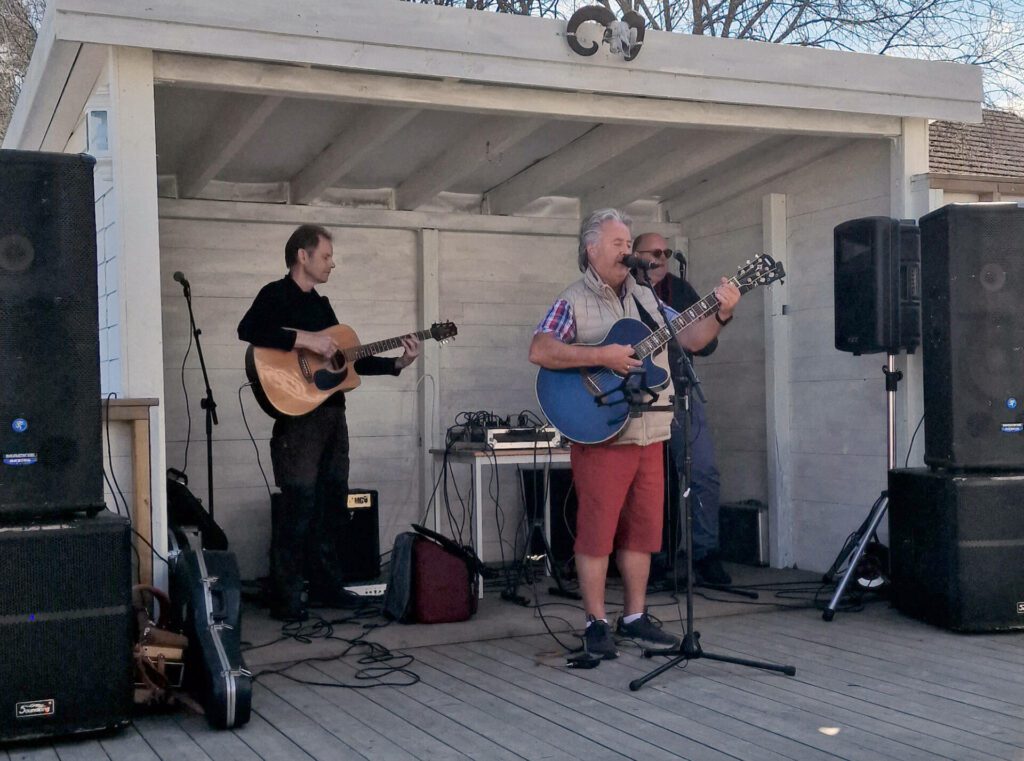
pixel 206 595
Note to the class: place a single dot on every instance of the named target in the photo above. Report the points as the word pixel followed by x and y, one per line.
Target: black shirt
pixel 283 304
pixel 680 295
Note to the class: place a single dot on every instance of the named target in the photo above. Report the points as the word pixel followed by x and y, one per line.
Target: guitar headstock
pixel 443 331
pixel 761 271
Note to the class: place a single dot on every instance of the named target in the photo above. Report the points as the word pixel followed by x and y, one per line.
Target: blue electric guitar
pixel 590 404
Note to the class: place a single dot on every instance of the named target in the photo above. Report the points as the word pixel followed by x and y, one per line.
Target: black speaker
pixel 65 627
pixel 50 436
pixel 563 511
pixel 877 285
pixel 359 545
pixel 957 548
pixel 973 302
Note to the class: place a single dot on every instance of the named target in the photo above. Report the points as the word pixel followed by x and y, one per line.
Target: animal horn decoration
pixel 623 37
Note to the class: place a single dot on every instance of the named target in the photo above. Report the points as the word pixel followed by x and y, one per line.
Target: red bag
pixel 443 584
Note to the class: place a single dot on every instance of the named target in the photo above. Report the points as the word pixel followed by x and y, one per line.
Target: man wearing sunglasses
pixel 678 294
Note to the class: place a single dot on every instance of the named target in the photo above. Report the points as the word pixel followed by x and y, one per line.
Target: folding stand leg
pixel 866 531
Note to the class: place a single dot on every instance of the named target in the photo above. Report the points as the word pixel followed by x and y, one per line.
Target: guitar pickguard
pixel 325 380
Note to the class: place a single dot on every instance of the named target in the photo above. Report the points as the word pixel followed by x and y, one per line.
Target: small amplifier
pixel 523 438
pixel 743 532
pixel 359 545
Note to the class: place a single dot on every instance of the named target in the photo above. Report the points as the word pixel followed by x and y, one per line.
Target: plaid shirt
pixel 560 321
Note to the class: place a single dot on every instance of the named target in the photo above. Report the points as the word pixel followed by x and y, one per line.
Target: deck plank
pixel 34 753
pixel 872 685
pixel 168 740
pixel 81 750
pixel 881 695
pixel 371 741
pixel 294 724
pixel 535 696
pixel 217 743
pixel 436 714
pixel 898 677
pixel 939 662
pixel 760 742
pixel 667 729
pixel 515 729
pixel 733 695
pixel 358 704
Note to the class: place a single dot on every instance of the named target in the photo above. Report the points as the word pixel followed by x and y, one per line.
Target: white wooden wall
pixel 495 287
pixel 836 454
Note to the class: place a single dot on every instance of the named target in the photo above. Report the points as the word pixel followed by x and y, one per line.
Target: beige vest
pixel 596 308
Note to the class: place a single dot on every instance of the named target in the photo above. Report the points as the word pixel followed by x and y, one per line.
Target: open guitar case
pixel 206 606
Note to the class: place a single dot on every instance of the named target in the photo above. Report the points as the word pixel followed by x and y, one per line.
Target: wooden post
pixel 137 412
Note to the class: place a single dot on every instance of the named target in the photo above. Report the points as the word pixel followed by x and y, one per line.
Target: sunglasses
pixel 659 253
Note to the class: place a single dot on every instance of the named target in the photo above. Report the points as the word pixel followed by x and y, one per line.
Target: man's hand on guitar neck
pixel 318 343
pixel 412 347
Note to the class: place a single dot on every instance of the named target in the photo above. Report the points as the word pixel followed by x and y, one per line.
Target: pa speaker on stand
pixel 877 309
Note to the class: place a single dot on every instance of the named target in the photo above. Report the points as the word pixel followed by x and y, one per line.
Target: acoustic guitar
pixel 292 383
pixel 590 405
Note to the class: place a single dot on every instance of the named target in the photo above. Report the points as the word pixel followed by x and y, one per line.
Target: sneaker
pixel 598 641
pixel 709 570
pixel 644 630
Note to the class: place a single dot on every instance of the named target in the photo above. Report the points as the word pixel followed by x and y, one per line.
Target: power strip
pixel 368 590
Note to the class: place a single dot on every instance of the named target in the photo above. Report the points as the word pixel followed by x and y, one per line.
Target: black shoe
pixel 291 609
pixel 322 596
pixel 643 630
pixel 709 570
pixel 598 641
pixel 288 600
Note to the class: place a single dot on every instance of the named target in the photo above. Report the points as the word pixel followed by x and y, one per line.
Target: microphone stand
pixel 207 402
pixel 690 648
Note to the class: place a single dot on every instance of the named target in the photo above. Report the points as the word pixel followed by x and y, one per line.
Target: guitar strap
pixel 646 316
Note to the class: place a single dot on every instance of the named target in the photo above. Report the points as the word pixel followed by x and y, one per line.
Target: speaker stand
pixel 853 549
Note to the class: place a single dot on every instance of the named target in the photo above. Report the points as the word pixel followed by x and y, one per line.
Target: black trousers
pixel 310 457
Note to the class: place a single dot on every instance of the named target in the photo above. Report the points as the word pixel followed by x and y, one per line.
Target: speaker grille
pixel 957 548
pixel 65 627
pixel 49 401
pixel 973 274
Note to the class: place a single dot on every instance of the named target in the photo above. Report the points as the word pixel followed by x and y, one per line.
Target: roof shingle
pixel 994 148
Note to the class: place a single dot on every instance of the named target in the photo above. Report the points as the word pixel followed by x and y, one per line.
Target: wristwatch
pixel 718 317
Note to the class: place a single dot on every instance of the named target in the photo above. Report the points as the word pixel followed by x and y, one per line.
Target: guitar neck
pixel 378 347
pixel 693 313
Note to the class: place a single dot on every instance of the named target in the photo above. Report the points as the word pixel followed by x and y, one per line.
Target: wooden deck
pixel 872 684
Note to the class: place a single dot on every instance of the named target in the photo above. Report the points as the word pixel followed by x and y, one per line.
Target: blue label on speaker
pixel 1013 427
pixel 21 458
pixel 20 425
pixel 1011 403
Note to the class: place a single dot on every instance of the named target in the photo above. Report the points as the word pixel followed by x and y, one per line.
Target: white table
pixel 543 458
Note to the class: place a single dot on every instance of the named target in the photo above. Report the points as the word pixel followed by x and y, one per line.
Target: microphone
pixel 181 279
pixel 634 262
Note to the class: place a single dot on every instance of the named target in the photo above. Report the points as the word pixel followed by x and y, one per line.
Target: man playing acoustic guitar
pixel 619 482
pixel 309 452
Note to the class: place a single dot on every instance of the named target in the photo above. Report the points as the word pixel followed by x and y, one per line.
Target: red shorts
pixel 621 493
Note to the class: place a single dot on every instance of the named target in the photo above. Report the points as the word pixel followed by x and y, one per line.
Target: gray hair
pixel 590 230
